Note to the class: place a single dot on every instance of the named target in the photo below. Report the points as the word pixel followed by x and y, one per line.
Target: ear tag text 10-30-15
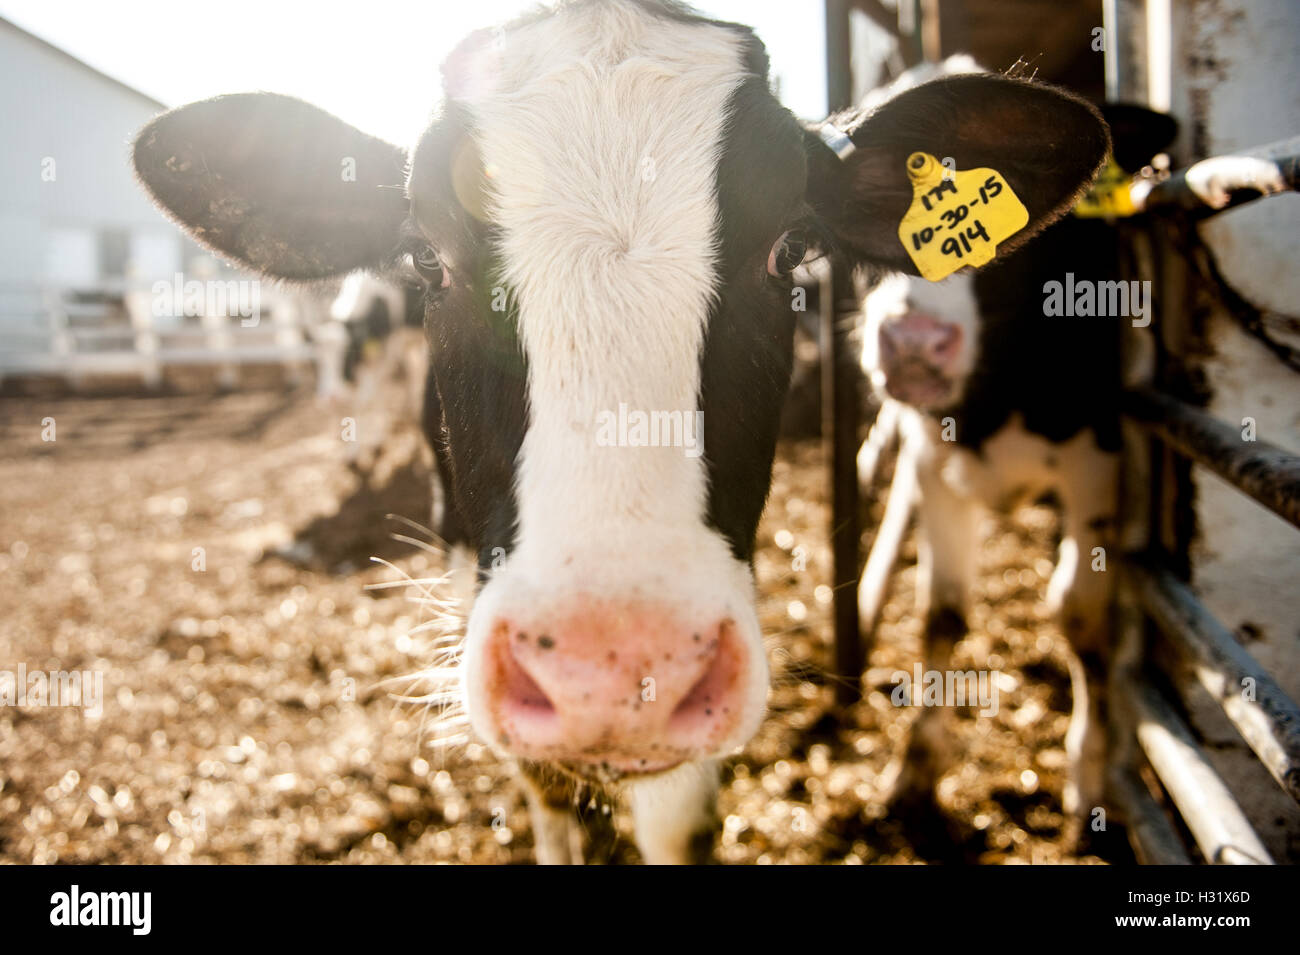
pixel 957 217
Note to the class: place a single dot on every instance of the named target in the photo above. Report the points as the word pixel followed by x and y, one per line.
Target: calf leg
pixel 673 814
pixel 946 551
pixel 945 575
pixel 1085 740
pixel 884 549
pixel 557 836
pixel 883 433
pixel 1081 591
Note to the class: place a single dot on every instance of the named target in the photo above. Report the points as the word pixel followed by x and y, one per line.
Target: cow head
pixel 606 214
pixel 924 340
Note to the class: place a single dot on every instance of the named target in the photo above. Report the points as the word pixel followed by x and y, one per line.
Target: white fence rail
pixel 111 331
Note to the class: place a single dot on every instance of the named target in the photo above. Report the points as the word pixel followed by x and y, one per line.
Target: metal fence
pixel 1162 626
pixel 114 331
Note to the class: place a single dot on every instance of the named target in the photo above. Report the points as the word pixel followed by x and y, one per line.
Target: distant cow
pixel 606 215
pixel 374 337
pixel 1002 394
pixel 370 310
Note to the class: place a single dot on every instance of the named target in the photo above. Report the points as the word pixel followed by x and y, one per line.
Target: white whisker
pixel 407 581
pixel 422 545
pixel 414 525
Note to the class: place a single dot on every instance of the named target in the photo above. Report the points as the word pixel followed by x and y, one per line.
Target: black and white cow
pixel 374 336
pixel 1000 398
pixel 373 311
pixel 606 214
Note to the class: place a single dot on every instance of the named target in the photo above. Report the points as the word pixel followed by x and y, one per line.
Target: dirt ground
pixel 246 716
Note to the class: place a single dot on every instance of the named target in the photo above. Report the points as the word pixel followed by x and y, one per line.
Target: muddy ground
pixel 246 714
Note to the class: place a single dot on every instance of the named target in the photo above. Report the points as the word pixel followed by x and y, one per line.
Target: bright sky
pixel 374 63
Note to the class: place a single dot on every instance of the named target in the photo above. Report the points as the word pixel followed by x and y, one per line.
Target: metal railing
pixel 1161 623
pixel 116 333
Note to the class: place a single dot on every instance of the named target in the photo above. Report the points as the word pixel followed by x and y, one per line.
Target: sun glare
pixel 375 66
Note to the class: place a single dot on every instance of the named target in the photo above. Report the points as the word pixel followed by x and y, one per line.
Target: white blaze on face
pixel 600 129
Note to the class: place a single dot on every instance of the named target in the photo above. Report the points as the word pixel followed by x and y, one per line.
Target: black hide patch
pixel 476 357
pixel 1061 373
pixel 745 369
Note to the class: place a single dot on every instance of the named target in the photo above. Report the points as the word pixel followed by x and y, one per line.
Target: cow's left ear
pixel 276 184
pixel 1046 143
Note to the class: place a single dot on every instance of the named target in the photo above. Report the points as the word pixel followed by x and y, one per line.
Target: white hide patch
pixel 600 129
pixel 1015 466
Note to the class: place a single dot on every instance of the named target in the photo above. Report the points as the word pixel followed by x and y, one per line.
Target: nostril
pixel 710 701
pixel 519 689
pixel 700 696
pixel 946 342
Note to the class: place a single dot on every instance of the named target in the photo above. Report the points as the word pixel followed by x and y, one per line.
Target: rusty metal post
pixel 840 402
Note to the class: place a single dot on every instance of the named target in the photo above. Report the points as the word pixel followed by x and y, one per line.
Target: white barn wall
pixel 54 106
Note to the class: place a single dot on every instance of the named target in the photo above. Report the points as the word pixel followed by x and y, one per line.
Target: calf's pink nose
pixel 919 336
pixel 627 687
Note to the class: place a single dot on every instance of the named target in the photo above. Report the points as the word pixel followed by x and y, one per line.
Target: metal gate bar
pixel 1258 469
pixel 1268 719
pixel 840 409
pixel 1213 816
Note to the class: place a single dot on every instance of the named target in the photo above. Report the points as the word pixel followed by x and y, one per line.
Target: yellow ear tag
pixel 957 217
pixel 1109 197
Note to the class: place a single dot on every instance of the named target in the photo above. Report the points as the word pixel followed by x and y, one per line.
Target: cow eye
pixel 787 253
pixel 430 267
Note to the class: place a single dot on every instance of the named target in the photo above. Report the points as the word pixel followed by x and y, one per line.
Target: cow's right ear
pixel 276 184
pixel 1046 143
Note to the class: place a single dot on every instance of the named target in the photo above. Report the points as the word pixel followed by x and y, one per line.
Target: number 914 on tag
pixel 956 240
